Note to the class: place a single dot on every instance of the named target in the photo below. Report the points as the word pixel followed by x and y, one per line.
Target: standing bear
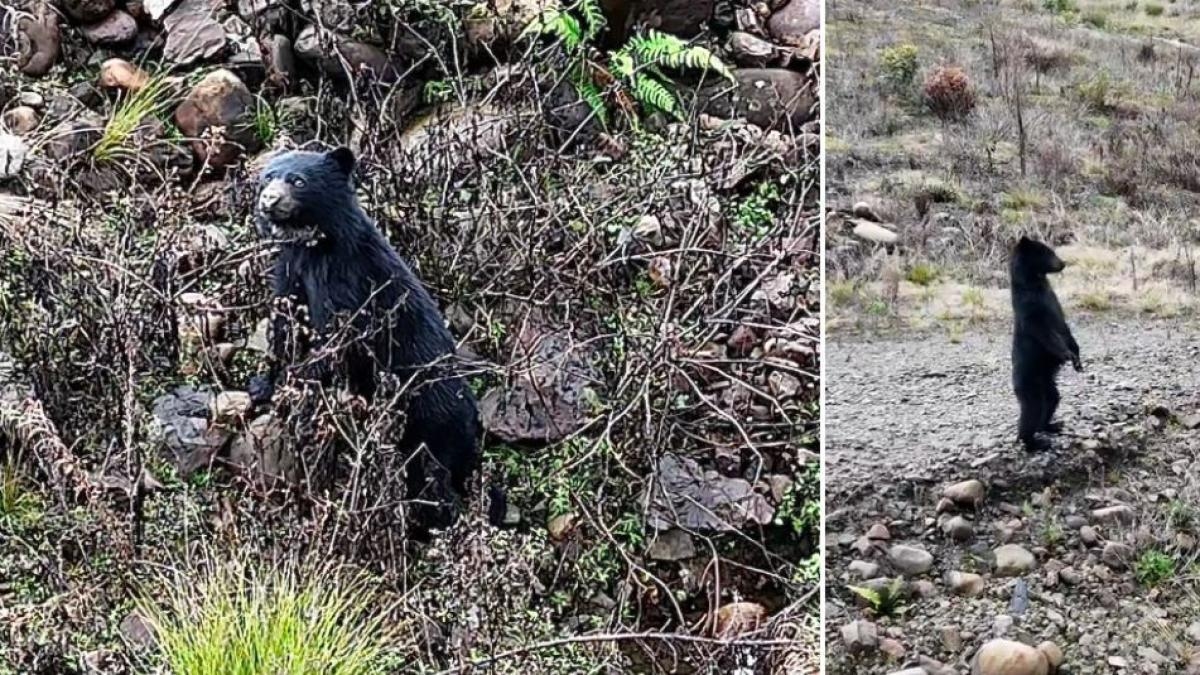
pixel 368 313
pixel 1042 341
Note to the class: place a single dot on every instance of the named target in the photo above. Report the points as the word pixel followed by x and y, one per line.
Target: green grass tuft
pixel 153 99
pixel 238 620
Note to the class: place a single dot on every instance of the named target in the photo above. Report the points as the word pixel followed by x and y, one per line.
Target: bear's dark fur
pixel 1042 341
pixel 334 262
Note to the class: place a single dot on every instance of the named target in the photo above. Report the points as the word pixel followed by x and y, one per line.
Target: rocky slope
pixel 1089 547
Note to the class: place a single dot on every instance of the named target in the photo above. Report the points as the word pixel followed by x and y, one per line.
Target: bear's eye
pixel 296 181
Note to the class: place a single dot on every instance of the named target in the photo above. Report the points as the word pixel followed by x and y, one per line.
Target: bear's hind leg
pixel 1033 407
pixel 1052 398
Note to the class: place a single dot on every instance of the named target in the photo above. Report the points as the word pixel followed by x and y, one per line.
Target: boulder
pixel 115 29
pixel 791 24
pixel 219 103
pixel 193 33
pixel 772 98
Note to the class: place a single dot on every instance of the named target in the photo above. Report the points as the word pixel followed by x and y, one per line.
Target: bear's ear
pixel 344 158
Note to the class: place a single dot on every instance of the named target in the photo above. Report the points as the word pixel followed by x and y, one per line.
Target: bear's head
pixel 1034 257
pixel 302 192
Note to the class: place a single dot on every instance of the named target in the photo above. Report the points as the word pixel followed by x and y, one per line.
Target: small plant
pixel 1153 568
pixel 948 93
pixel 899 64
pixel 1095 301
pixel 152 100
pixel 800 508
pixel 632 73
pixel 437 91
pixel 922 274
pixel 1153 9
pixel 1180 514
pixel 18 505
pixel 973 298
pixel 1052 534
pixel 888 601
pixel 266 123
pixel 236 620
pixel 754 215
pixel 1095 18
pixel 1097 93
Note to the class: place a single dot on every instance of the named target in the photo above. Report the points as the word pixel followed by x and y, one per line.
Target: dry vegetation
pixel 1076 123
pixel 670 267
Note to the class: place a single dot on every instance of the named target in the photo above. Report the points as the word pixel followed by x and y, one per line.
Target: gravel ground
pixel 910 414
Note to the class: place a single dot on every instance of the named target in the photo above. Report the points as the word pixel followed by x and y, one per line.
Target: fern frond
pixel 664 49
pixel 559 24
pixel 622 64
pixel 593 15
pixel 592 96
pixel 871 595
pixel 655 94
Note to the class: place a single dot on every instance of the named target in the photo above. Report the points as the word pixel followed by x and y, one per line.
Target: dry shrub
pixel 948 93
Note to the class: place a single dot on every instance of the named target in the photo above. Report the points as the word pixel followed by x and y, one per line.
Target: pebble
pixel 965 583
pixel 1088 535
pixel 1006 657
pixel 968 493
pixel 1120 514
pixel 863 569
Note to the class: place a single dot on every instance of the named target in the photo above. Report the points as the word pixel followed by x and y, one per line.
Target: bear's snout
pixel 275 201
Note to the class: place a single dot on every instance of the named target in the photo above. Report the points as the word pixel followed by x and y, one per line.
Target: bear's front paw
pixel 1077 364
pixel 260 389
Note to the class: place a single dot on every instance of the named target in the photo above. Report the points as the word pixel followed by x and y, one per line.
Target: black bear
pixel 1042 341
pixel 337 265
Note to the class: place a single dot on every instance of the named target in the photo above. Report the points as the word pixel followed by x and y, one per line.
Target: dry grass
pixel 1106 159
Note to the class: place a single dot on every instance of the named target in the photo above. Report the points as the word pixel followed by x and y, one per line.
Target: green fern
pixel 658 48
pixel 593 14
pixel 591 94
pixel 654 93
pixel 559 24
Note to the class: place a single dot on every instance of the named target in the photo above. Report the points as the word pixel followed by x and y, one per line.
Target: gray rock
pixel 21 119
pixel 672 545
pixel 863 569
pixel 115 29
pixel 794 21
pixel 179 423
pixel 1121 514
pixel 1117 555
pixel 860 637
pixel 968 493
pixel 750 50
pixel 1088 535
pixel 958 529
pixel 965 583
pixel 193 33
pixel 772 98
pixel 952 641
pixel 262 451
pixel 683 495
pixel 1013 560
pixel 344 57
pixel 910 560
